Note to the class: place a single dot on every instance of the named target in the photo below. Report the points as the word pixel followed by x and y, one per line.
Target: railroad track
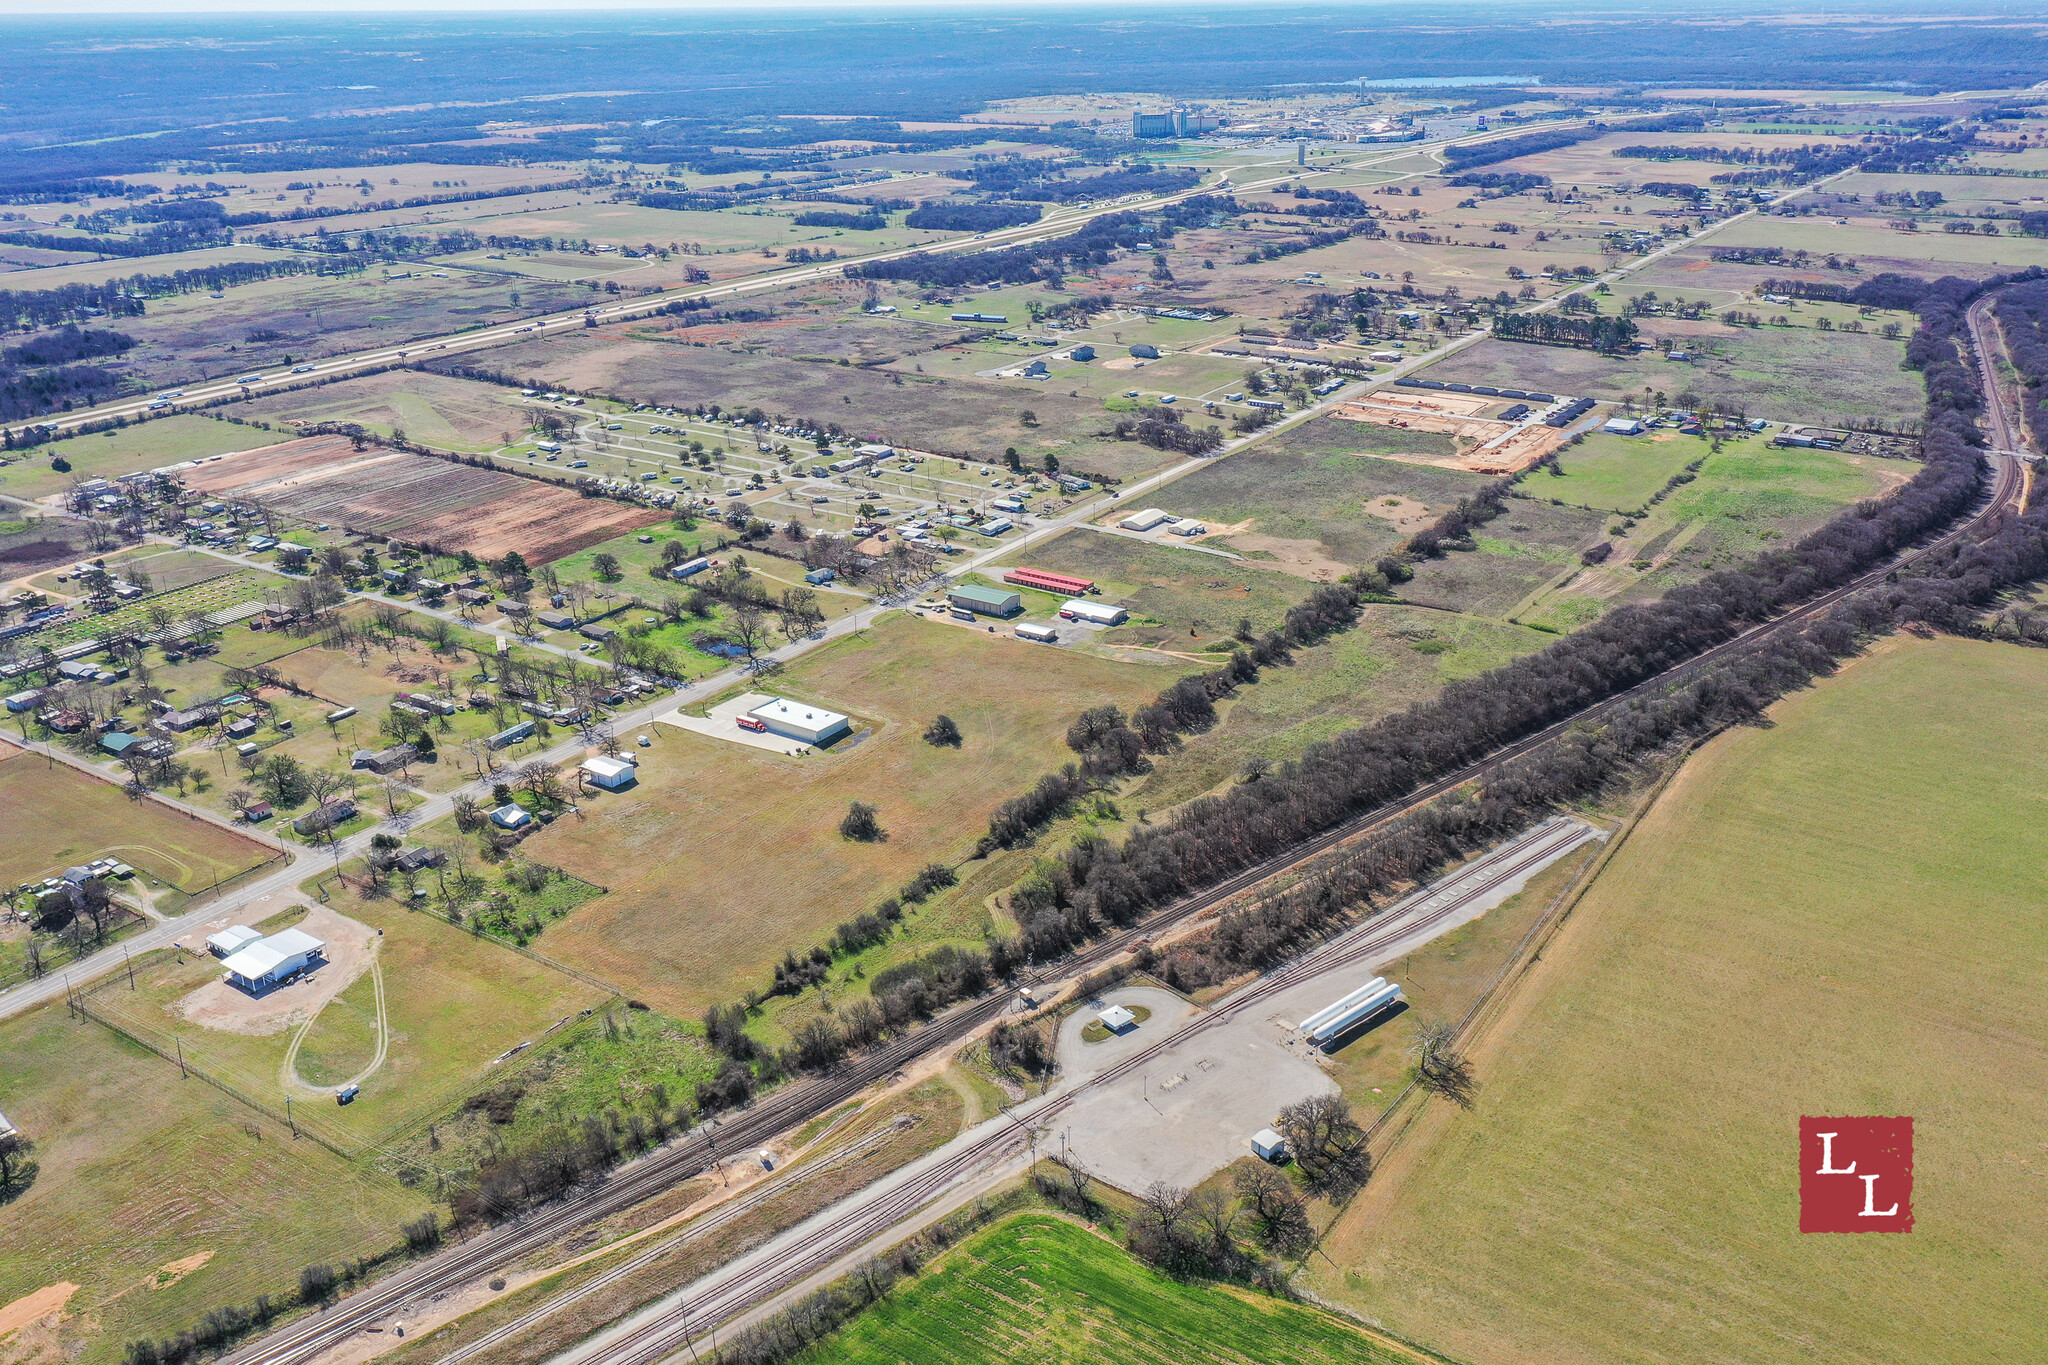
pixel 770 1271
pixel 650 1175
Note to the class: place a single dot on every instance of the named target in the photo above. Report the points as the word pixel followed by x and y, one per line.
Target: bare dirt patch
pixel 420 500
pixel 1308 559
pixel 1403 514
pixel 217 1005
pixel 29 1307
pixel 1484 446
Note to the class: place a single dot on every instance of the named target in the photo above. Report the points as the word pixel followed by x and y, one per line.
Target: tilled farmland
pixel 418 499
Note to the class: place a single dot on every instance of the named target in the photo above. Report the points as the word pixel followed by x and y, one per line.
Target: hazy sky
pixel 188 8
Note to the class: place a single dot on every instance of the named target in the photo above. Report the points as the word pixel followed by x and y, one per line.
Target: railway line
pixel 756 1279
pixel 308 1336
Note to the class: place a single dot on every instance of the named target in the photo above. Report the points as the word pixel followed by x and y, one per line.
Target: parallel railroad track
pixel 650 1175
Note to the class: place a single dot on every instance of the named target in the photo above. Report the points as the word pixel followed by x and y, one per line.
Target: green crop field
pixel 1036 1288
pixel 1834 914
pixel 723 856
pixel 161 1198
pixel 56 816
pixel 145 445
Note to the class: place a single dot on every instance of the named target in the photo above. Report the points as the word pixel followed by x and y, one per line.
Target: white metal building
pixel 610 773
pixel 268 961
pixel 1116 1019
pixel 1146 520
pixel 1094 613
pixel 799 720
pixel 1268 1145
pixel 228 942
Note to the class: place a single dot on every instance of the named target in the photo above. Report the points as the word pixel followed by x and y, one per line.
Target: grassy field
pixel 1394 657
pixel 1863 876
pixel 452 1003
pixel 146 445
pixel 433 409
pixel 1319 484
pixel 724 856
pixel 143 1175
pixel 1786 374
pixel 1036 1288
pixel 56 816
pixel 1616 473
pixel 1178 598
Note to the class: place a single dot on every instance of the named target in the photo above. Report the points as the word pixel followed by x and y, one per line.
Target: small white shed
pixel 609 773
pixel 1117 1019
pixel 1268 1145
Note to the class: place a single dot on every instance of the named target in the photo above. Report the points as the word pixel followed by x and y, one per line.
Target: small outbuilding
pixel 1117 1019
pixel 228 942
pixel 1268 1145
pixel 510 816
pixel 612 774
pixel 1143 351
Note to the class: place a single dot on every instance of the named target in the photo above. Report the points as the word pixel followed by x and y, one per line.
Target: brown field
pixel 55 816
pixel 432 409
pixel 972 417
pixel 418 499
pixel 724 856
pixel 1485 447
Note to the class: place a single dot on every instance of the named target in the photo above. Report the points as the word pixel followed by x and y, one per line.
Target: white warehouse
pixel 1094 613
pixel 1146 520
pixel 270 961
pixel 800 720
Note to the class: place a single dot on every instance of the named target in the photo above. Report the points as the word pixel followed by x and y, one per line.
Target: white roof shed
pixel 1116 1018
pixel 228 942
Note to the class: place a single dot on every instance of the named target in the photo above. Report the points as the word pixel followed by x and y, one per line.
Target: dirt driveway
pixel 217 1005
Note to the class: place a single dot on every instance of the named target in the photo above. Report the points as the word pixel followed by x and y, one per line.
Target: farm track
pixel 809 1099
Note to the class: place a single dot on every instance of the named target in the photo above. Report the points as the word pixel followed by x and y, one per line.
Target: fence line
pixel 298 1127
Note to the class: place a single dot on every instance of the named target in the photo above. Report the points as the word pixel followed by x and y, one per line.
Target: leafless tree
pixel 1439 1067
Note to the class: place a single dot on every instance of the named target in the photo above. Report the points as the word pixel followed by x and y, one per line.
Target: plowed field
pixel 419 500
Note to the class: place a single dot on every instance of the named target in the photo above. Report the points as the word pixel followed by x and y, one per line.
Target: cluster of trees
pixel 1210 1233
pixel 68 343
pixel 179 234
pixel 1088 247
pixel 859 222
pixel 1163 429
pixel 1453 530
pixel 1501 182
pixel 1604 334
pixel 1294 246
pixel 35 190
pixel 1796 164
pixel 1330 204
pixel 23 309
pixel 943 217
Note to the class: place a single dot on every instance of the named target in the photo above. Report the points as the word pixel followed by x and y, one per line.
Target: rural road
pixel 334 367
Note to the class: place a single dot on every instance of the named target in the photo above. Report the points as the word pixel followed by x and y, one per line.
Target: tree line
pixel 1607 335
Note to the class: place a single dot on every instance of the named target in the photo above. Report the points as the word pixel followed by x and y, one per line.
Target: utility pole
pixel 183 1074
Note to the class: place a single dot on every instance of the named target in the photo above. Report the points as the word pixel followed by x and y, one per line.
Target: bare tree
pixel 1439 1067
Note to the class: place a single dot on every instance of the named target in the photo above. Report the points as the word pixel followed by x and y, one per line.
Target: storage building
pixel 610 773
pixel 1268 1145
pixel 985 601
pixel 1046 581
pixel 1335 1018
pixel 1146 520
pixel 1145 351
pixel 1624 426
pixel 228 942
pixel 1117 1019
pixel 1094 613
pixel 1044 635
pixel 271 961
pixel 797 720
